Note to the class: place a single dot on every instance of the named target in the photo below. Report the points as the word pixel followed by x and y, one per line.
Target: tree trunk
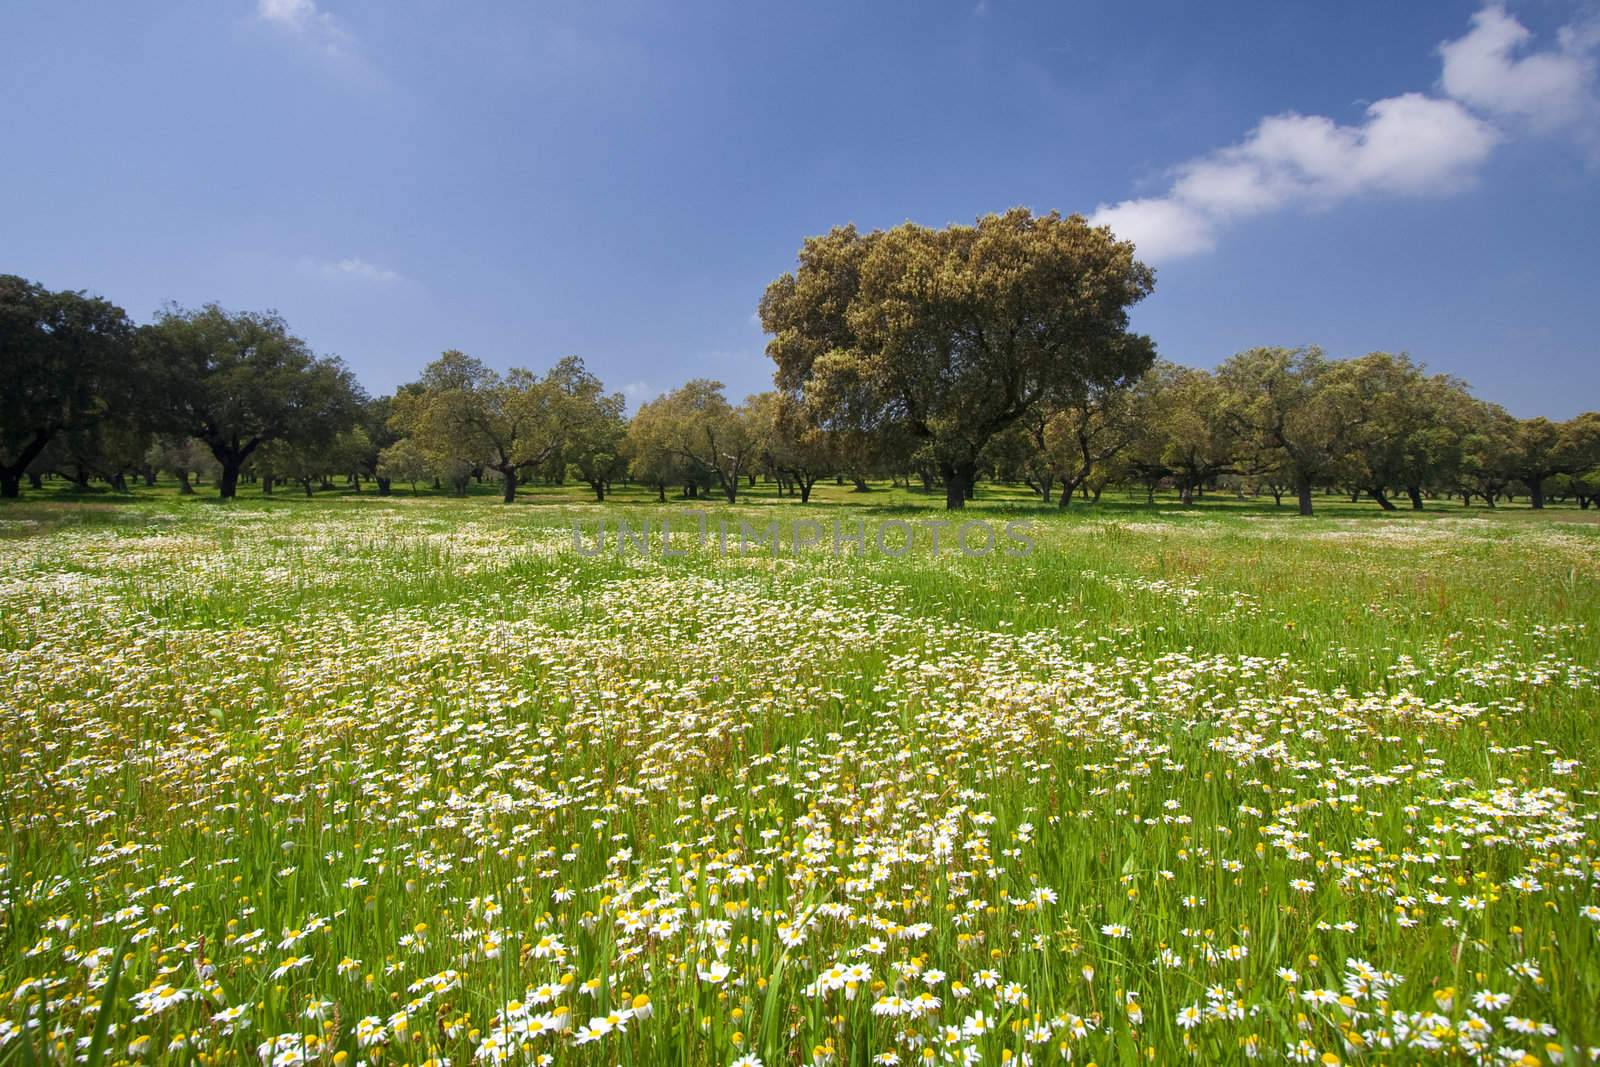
pixel 805 485
pixel 1068 487
pixel 1382 498
pixel 730 489
pixel 267 482
pixel 306 483
pixel 184 488
pixel 508 482
pixel 599 488
pixel 383 485
pixel 958 478
pixel 228 482
pixel 11 477
pixel 150 477
pixel 1302 489
pixel 1415 493
pixel 1536 493
pixel 861 484
pixel 661 492
pixel 119 483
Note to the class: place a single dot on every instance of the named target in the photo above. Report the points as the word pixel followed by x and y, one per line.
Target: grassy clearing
pixel 412 779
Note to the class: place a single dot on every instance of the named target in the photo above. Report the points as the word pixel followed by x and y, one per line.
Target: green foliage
pixel 953 335
pixel 238 381
pixel 66 364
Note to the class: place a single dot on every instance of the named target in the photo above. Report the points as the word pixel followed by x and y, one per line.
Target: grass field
pixel 414 780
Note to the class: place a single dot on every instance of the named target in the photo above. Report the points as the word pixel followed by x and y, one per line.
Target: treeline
pixel 936 358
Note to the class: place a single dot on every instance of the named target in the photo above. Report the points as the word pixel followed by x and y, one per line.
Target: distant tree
pixel 240 380
pixel 1403 440
pixel 1298 404
pixel 1183 431
pixel 797 449
pixel 1487 468
pixel 182 457
pixel 111 449
pixel 350 454
pixel 1080 438
pixel 1540 450
pixel 1014 454
pixel 1432 459
pixel 1581 443
pixel 593 425
pixel 448 458
pixel 404 461
pixel 379 435
pixel 282 461
pixel 708 434
pixel 648 446
pixel 462 409
pixel 952 335
pixel 66 360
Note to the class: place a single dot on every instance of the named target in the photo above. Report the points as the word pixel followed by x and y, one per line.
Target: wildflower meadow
pixel 417 781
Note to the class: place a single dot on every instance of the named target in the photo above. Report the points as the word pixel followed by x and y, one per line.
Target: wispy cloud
pixel 1492 69
pixel 308 22
pixel 353 268
pixel 1414 144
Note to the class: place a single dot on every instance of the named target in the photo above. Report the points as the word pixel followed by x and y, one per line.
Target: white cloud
pixel 353 268
pixel 292 13
pixel 304 19
pixel 1492 69
pixel 1412 144
pixel 1163 228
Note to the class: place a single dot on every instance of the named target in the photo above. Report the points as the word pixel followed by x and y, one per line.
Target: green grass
pixel 445 760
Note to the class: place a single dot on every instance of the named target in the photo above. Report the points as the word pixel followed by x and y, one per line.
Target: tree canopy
pixel 238 380
pixel 952 335
pixel 66 364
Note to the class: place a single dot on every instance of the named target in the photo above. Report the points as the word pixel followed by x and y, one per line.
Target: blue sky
pixel 620 181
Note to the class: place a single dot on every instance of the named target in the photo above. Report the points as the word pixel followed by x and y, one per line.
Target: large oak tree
pixel 952 335
pixel 65 366
pixel 237 381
